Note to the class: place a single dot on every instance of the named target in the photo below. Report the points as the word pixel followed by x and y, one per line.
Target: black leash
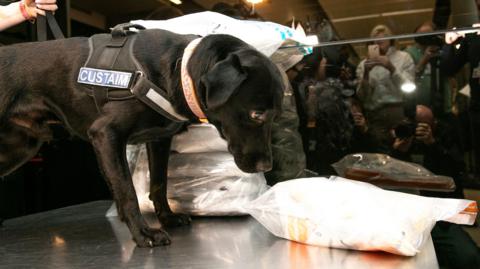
pixel 52 23
pixel 471 29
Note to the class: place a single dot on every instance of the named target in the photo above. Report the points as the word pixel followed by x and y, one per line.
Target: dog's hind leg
pixel 158 153
pixel 109 141
pixel 17 145
pixel 22 131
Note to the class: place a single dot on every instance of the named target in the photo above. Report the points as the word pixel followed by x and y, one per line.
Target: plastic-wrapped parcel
pixel 203 178
pixel 211 184
pixel 341 213
pixel 385 171
pixel 267 37
pixel 333 212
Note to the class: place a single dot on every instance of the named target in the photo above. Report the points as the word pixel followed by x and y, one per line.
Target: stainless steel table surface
pixel 82 237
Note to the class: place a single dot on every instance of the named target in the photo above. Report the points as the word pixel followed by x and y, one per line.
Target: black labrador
pixel 239 89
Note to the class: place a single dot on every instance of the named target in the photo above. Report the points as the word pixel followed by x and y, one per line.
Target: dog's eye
pixel 258 116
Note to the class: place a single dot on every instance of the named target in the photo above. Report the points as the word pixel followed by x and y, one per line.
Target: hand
pixel 369 64
pixel 455 37
pixel 424 133
pixel 385 62
pixel 431 51
pixel 402 145
pixel 360 122
pixel 311 103
pixel 345 74
pixel 452 37
pixel 35 7
pixel 379 60
pixel 322 70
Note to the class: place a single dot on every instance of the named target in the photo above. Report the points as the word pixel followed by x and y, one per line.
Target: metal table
pixel 82 237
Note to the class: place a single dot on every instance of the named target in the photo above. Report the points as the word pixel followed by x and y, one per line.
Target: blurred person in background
pixel 433 144
pixel 362 140
pixel 326 124
pixel 437 147
pixel 381 77
pixel 459 51
pixel 433 88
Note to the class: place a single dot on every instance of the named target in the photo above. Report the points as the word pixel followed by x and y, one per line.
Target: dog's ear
pixel 222 80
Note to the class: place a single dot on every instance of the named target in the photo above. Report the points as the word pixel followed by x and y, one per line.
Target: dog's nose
pixel 263 166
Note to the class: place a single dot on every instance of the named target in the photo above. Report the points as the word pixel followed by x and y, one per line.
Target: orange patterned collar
pixel 187 82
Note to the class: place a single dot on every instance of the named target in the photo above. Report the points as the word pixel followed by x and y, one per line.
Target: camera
pixel 432 40
pixel 405 129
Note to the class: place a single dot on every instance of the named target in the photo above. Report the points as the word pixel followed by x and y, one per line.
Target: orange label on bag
pixel 471 208
pixel 298 229
pixel 466 216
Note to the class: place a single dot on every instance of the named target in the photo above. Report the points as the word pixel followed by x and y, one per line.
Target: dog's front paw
pixel 152 237
pixel 174 220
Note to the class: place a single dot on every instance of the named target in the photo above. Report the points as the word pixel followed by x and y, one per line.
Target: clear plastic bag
pixel 211 184
pixel 342 213
pixel 387 172
pixel 203 179
pixel 267 37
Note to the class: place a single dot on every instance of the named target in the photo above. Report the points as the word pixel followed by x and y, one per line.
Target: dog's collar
pixel 187 82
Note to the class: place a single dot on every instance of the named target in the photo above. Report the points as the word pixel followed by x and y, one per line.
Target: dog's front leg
pixel 158 153
pixel 109 143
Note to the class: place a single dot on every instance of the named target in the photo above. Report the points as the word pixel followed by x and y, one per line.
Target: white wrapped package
pixel 211 185
pixel 203 179
pixel 267 37
pixel 199 184
pixel 342 213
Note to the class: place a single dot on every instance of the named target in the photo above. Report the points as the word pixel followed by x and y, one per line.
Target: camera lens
pixel 405 130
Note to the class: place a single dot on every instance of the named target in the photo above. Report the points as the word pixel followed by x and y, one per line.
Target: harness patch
pixel 105 78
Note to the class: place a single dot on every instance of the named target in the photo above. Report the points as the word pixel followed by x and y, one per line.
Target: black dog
pixel 239 89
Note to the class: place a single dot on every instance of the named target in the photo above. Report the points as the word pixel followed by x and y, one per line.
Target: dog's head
pixel 243 94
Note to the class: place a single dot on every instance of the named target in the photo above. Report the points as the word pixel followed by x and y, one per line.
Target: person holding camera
pixel 433 89
pixel 362 140
pixel 25 10
pixel 437 147
pixel 382 75
pixel 431 143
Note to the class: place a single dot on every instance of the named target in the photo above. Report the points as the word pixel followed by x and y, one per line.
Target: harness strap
pixel 100 97
pixel 113 73
pixel 52 23
pixel 155 98
pixel 124 29
pixel 107 60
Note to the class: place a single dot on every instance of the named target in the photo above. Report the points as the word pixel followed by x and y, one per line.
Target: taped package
pixel 203 179
pixel 341 213
pixel 387 172
pixel 266 37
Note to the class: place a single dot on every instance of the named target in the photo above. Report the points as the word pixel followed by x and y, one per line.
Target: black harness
pixel 112 73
